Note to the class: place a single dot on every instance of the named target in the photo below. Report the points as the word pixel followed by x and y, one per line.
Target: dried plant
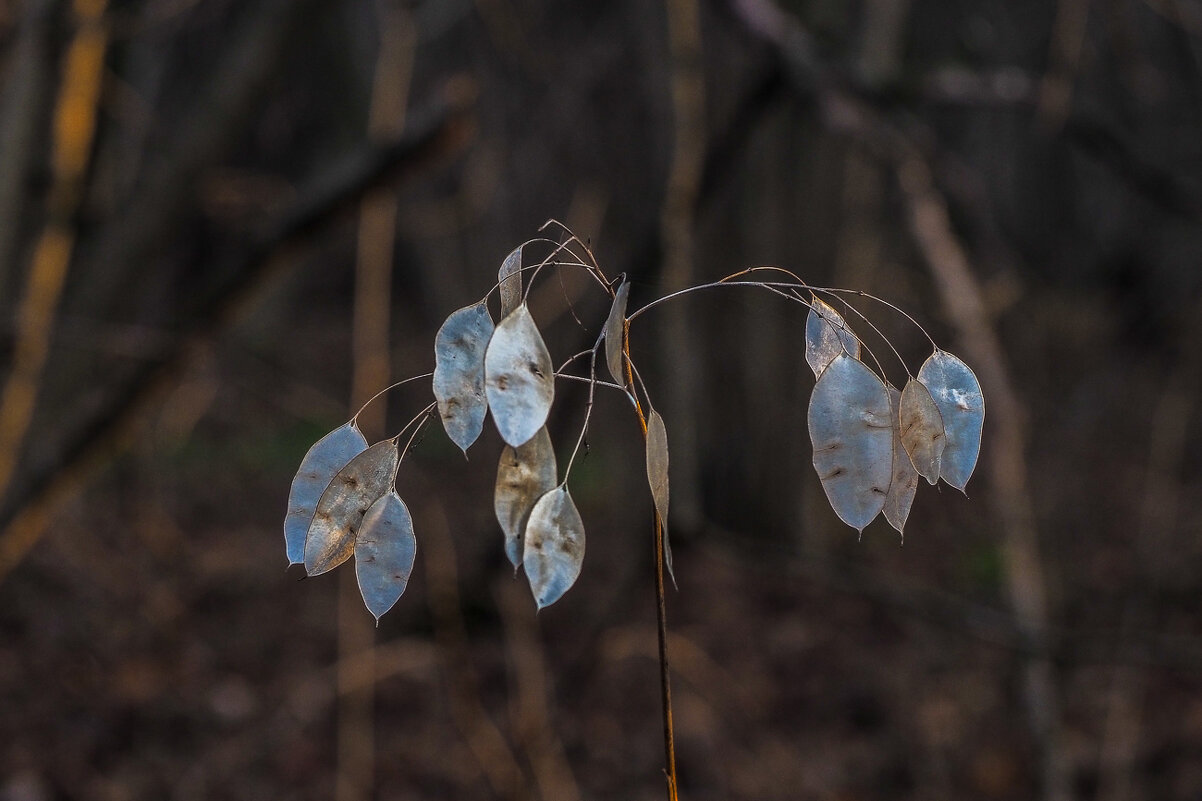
pixel 871 441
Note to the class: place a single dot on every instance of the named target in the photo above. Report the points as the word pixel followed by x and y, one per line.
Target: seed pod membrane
pixel 519 380
pixel 921 427
pixel 657 477
pixel 957 394
pixel 827 335
pixel 331 538
pixel 904 485
pixel 385 548
pixel 851 427
pixel 327 456
pixel 524 475
pixel 615 331
pixel 510 278
pixel 554 548
pixel 459 349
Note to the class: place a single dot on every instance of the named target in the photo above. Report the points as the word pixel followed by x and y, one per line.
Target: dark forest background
pixel 223 223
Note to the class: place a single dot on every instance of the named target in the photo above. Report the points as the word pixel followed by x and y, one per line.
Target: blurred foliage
pixel 151 645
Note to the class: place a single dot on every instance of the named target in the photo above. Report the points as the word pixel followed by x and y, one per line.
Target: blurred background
pixel 224 223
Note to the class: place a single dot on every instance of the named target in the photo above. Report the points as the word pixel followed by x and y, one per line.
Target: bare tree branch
pixel 432 135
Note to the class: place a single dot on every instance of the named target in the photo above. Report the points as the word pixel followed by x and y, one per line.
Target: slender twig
pixel 592 269
pixel 598 382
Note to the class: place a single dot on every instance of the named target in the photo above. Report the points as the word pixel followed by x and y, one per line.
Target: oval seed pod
pixel 827 335
pixel 615 331
pixel 385 548
pixel 657 477
pixel 921 427
pixel 524 475
pixel 519 380
pixel 554 548
pixel 510 278
pixel 904 485
pixel 339 512
pixel 957 394
pixel 459 349
pixel 851 427
pixel 327 456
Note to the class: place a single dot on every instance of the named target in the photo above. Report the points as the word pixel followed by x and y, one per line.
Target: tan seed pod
pixel 524 475
pixel 331 538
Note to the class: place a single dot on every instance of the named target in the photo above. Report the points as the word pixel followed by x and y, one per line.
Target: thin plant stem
pixel 571 359
pixel 661 611
pixel 598 382
pixel 421 417
pixel 591 257
pixel 592 269
pixel 548 261
pixel 388 388
pixel 898 309
pixel 424 418
pixel 800 284
pixel 588 409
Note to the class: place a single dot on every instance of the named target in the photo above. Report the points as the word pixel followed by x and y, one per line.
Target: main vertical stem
pixel 661 610
pixel 665 683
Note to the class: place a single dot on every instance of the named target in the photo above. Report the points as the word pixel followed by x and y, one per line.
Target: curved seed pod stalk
pixel 459 349
pixel 921 428
pixel 904 484
pixel 385 548
pixel 323 461
pixel 331 538
pixel 957 394
pixel 827 335
pixel 524 475
pixel 554 547
pixel 519 379
pixel 851 427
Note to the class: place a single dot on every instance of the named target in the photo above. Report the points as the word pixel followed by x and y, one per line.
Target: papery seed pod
pixel 327 456
pixel 524 475
pixel 331 538
pixel 827 335
pixel 459 349
pixel 554 548
pixel 922 433
pixel 385 548
pixel 904 485
pixel 519 379
pixel 851 427
pixel 510 278
pixel 615 332
pixel 657 477
pixel 957 394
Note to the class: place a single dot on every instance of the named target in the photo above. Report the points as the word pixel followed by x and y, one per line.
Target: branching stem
pixel 588 409
pixel 420 418
pixel 368 402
